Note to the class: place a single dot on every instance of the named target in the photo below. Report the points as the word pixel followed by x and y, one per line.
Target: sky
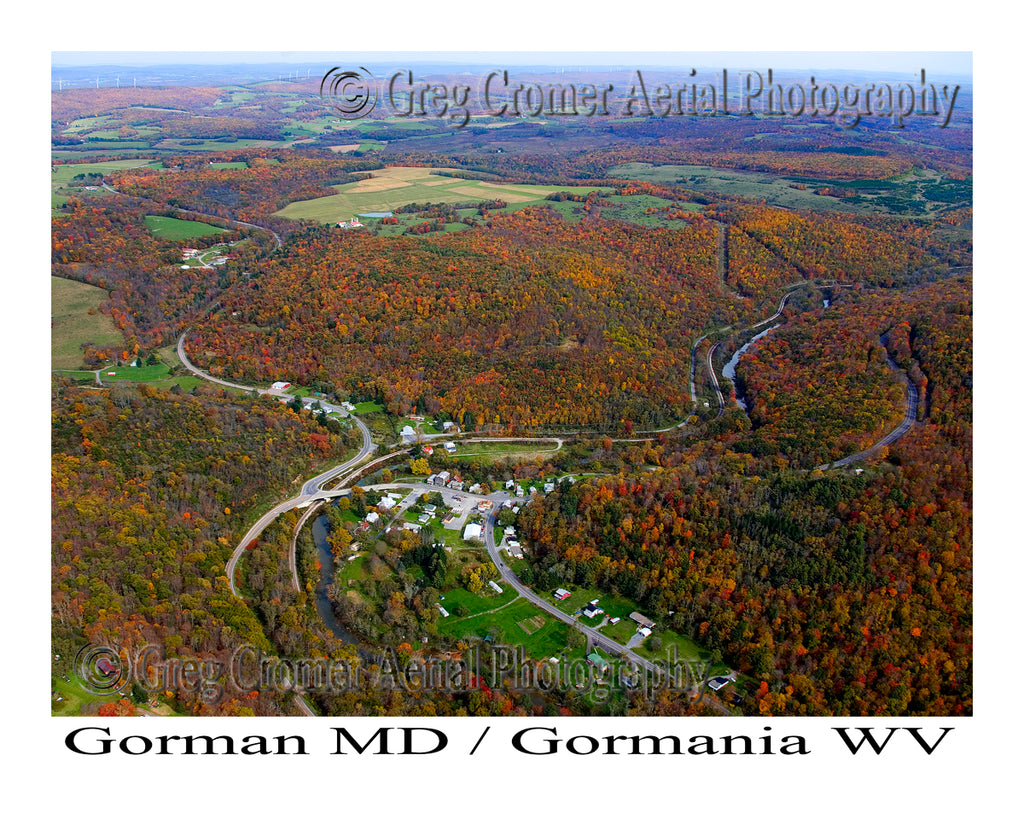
pixel 947 62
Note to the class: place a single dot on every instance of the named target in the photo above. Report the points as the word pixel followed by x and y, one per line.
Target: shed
pixel 640 620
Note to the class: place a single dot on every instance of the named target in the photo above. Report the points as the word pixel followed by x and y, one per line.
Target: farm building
pixel 640 620
pixel 561 594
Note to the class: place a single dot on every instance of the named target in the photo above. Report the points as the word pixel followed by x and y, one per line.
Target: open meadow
pixel 75 320
pixel 390 188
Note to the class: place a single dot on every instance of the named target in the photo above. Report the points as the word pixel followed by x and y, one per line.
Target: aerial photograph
pixel 449 384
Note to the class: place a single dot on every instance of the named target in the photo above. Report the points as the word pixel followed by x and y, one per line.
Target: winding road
pixel 310 489
pixel 230 221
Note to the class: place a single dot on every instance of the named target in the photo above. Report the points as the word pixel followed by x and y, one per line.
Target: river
pixel 729 370
pixel 323 603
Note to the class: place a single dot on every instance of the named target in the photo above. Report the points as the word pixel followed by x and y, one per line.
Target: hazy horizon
pixel 959 63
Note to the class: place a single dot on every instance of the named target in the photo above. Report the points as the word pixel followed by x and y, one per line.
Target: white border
pixel 505 783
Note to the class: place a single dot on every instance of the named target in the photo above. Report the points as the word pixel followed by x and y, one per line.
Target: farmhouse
pixel 592 610
pixel 599 662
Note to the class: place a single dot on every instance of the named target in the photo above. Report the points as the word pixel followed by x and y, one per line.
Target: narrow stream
pixel 323 601
pixel 729 370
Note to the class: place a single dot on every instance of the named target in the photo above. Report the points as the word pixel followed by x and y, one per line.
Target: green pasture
pixel 173 230
pixel 75 320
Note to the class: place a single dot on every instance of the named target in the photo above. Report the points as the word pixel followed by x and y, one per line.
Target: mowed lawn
pixel 171 229
pixel 518 624
pixel 72 325
pixel 390 188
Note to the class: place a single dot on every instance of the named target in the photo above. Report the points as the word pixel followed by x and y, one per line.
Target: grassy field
pixel 390 188
pixel 775 190
pixel 540 635
pixel 367 407
pixel 73 325
pixel 61 176
pixel 173 230
pixel 496 451
pixel 75 696
pixel 918 193
pixel 212 144
pixel 157 375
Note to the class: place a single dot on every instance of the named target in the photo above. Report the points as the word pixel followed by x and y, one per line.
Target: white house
pixel 373 517
pixel 386 504
pixel 449 447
